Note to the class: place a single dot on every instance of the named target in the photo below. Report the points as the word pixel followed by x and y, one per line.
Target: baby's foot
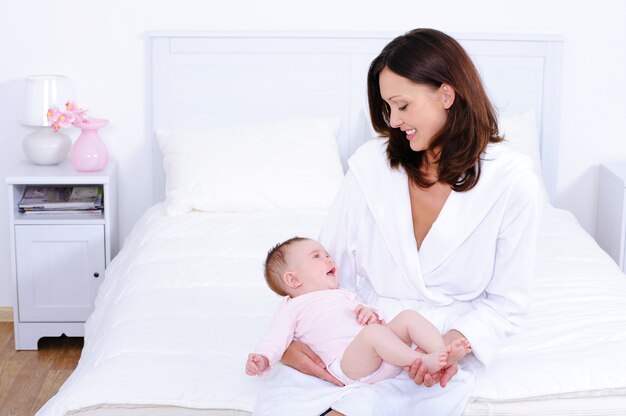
pixel 457 350
pixel 435 361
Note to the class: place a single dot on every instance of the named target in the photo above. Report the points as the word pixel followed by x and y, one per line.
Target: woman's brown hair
pixel 430 57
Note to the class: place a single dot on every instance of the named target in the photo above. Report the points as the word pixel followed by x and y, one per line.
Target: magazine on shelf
pixel 77 197
pixel 86 212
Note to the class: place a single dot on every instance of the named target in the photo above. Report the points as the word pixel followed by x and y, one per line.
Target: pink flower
pixel 79 113
pixel 66 119
pixel 53 114
pixel 71 106
pixel 72 116
pixel 53 118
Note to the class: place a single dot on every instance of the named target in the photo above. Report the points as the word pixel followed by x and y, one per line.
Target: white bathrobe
pixel 472 273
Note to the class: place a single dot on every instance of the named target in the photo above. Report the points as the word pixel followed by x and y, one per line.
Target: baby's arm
pixel 275 341
pixel 366 315
pixel 256 364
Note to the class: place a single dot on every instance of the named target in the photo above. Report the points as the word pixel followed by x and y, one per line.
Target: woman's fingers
pixel 303 359
pixel 318 369
pixel 322 373
pixel 428 380
pixel 416 371
pixel 308 352
pixel 422 372
pixel 447 374
pixel 420 376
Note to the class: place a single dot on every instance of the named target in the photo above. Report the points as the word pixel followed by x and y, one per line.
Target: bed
pixel 184 301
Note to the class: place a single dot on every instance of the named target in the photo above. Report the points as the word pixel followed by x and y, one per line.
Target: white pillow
pixel 520 133
pixel 269 166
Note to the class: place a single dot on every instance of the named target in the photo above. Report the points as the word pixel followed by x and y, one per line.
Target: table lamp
pixel 44 146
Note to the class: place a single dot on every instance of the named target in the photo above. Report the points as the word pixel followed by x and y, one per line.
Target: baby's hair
pixel 275 264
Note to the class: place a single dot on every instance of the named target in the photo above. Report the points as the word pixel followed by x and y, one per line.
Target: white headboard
pixel 213 79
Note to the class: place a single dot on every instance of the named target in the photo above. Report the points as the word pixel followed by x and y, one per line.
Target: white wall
pixel 102 46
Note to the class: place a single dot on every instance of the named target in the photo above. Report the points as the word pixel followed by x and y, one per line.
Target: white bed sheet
pixel 185 301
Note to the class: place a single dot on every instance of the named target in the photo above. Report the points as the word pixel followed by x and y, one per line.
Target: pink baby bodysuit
pixel 325 320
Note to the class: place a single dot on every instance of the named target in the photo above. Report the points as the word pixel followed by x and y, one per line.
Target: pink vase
pixel 89 153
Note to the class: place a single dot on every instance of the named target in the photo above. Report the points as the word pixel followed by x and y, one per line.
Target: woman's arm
pixel 500 310
pixel 303 359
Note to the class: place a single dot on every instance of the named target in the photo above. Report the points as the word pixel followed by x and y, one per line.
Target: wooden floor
pixel 29 378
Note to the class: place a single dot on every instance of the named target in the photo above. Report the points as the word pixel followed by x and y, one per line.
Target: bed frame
pixel 212 79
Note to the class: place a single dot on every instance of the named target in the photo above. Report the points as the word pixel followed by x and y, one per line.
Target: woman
pixel 440 218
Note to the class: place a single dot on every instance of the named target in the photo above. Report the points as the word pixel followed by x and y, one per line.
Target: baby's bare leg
pixel 374 344
pixel 412 327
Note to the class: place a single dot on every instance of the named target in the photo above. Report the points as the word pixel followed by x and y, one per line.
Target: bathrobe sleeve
pixel 500 310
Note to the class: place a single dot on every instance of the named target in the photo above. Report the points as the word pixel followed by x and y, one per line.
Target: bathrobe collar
pixel 386 192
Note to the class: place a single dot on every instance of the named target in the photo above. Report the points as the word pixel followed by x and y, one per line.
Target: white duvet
pixel 185 301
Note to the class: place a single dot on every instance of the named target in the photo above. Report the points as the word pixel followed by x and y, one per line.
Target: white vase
pixel 45 147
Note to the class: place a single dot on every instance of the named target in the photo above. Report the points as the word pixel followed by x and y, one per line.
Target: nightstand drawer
pixel 59 272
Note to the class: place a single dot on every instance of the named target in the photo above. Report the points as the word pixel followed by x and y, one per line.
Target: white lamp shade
pixel 41 93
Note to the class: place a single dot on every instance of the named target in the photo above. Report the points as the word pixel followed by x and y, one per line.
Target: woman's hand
pixel 303 359
pixel 419 374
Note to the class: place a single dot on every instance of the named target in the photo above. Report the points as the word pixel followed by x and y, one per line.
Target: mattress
pixel 184 302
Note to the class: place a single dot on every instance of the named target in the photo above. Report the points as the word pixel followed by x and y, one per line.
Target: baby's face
pixel 312 264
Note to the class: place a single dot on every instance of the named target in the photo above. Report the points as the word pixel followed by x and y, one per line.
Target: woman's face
pixel 419 110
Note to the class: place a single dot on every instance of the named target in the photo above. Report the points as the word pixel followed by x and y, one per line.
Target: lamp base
pixel 46 147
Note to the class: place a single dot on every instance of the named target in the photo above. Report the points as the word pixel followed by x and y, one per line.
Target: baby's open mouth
pixel 331 272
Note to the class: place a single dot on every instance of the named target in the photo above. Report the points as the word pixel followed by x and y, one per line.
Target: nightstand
pixel 611 219
pixel 58 260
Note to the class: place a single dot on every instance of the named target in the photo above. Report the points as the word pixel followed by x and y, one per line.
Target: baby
pixel 352 340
